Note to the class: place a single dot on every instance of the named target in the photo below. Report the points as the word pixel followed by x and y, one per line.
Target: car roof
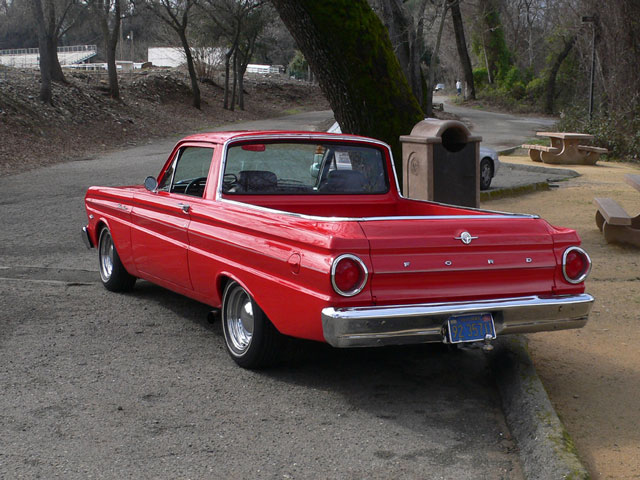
pixel 222 137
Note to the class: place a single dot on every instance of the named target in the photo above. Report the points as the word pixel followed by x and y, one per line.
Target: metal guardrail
pixel 35 51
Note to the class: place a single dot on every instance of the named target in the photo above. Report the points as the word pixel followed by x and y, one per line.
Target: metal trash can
pixel 440 163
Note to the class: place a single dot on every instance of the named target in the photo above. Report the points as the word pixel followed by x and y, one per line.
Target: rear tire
pixel 486 173
pixel 112 273
pixel 250 337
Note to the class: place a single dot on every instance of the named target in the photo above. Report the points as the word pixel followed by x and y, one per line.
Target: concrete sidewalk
pixel 517 179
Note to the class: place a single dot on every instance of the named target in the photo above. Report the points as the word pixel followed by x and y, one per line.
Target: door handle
pixel 184 207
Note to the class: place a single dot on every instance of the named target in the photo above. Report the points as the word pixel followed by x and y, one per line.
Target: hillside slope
pixel 155 103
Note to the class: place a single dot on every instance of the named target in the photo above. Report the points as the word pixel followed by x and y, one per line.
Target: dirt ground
pixel 592 375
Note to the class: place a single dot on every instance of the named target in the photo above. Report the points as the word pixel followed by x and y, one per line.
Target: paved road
pixel 499 131
pixel 101 385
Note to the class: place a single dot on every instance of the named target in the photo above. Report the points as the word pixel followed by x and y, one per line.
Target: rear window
pixel 304 168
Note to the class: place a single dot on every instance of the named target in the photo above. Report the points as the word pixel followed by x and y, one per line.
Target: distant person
pixel 459 87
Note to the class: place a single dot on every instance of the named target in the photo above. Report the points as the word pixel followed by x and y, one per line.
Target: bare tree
pixel 239 22
pixel 463 52
pixel 52 22
pixel 175 13
pixel 108 16
pixel 406 32
pixel 253 25
pixel 433 63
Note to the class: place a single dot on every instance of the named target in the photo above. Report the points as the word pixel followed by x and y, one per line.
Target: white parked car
pixel 489 165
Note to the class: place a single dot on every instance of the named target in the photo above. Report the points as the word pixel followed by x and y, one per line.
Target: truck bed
pixel 351 206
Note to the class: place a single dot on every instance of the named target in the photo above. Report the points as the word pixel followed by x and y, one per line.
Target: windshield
pixel 304 168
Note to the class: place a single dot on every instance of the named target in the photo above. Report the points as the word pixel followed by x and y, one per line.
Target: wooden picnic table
pixel 566 148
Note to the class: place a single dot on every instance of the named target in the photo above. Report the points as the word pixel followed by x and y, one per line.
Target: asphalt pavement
pixel 102 385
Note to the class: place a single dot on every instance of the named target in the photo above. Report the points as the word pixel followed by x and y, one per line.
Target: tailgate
pixel 426 259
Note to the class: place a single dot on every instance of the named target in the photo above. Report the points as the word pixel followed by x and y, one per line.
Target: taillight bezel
pixel 584 274
pixel 365 275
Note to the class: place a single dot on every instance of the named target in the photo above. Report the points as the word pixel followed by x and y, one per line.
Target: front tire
pixel 250 337
pixel 112 273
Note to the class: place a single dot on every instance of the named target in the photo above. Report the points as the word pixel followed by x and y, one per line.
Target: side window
pixel 188 172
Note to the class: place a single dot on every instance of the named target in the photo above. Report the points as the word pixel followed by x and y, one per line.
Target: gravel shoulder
pixel 592 375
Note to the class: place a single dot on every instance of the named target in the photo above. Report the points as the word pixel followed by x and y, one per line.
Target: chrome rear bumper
pixel 423 323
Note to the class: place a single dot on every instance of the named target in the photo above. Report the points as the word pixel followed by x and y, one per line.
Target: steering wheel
pixel 192 183
pixel 229 180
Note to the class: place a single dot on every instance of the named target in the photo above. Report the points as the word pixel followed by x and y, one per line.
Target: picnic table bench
pixel 566 149
pixel 613 220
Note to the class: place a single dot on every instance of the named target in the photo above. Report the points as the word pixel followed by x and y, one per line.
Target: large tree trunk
pixel 227 73
pixel 48 9
pixel 114 89
pixel 463 53
pixel 55 68
pixel 111 38
pixel 405 42
pixel 434 61
pixel 235 79
pixel 355 65
pixel 195 89
pixel 45 61
pixel 555 68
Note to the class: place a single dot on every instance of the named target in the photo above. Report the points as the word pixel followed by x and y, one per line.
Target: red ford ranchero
pixel 306 235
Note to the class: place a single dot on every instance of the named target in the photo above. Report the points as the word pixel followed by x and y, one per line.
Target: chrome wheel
pixel 239 320
pixel 113 274
pixel 105 253
pixel 250 337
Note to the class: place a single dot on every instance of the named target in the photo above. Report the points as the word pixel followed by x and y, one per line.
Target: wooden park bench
pixel 534 151
pixel 592 153
pixel 613 220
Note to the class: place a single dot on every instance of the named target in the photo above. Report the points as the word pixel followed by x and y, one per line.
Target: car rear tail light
pixel 576 265
pixel 348 275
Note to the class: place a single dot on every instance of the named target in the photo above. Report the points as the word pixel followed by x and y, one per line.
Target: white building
pixel 174 56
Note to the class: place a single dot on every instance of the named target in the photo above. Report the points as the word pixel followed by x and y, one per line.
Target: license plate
pixel 471 328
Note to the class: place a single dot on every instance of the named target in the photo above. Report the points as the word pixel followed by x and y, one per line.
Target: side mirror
pixel 150 183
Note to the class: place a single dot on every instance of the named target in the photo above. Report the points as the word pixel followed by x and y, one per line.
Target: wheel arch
pixel 224 278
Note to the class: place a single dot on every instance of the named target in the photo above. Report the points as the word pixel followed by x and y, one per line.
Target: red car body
pixel 407 266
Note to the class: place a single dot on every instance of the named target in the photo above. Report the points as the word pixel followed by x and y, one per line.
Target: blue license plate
pixel 471 328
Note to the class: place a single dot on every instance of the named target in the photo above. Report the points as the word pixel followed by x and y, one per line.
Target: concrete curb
pixel 515 179
pixel 513 191
pixel 546 449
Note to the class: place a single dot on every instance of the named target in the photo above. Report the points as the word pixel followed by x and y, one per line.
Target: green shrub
pixel 480 78
pixel 618 132
pixel 298 67
pixel 510 78
pixel 535 89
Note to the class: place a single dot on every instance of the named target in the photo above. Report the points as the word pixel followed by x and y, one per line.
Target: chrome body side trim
pixel 86 238
pixel 424 323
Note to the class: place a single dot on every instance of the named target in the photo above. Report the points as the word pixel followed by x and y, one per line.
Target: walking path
pixel 592 375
